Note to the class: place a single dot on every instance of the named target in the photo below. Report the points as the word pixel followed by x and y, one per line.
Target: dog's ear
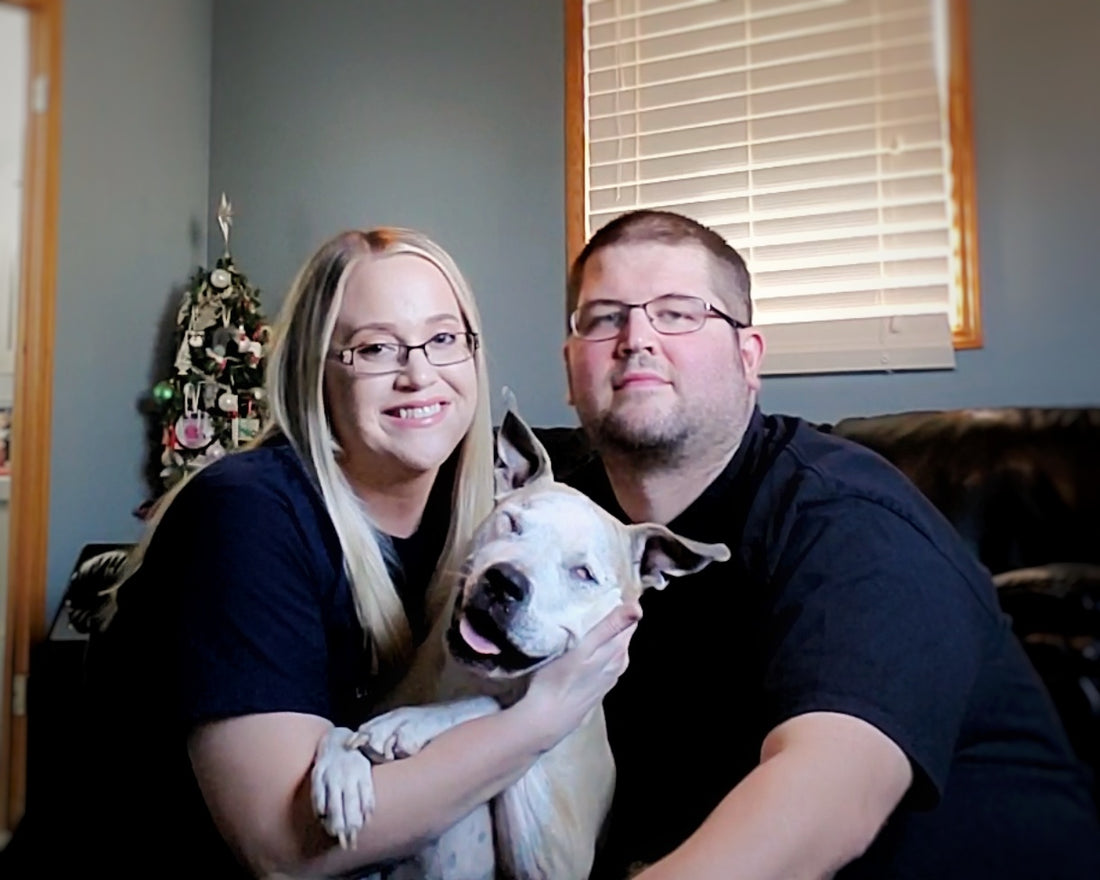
pixel 661 554
pixel 521 459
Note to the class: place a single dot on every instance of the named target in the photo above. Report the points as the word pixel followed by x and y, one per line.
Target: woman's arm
pixel 253 770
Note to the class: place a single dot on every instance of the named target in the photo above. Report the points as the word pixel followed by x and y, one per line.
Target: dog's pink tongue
pixel 479 643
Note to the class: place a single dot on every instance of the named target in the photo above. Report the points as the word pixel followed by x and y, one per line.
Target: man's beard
pixel 689 431
pixel 650 447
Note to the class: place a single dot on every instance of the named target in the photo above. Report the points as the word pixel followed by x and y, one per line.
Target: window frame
pixel 967 332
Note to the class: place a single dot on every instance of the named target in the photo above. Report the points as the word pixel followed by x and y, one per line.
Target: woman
pixel 284 589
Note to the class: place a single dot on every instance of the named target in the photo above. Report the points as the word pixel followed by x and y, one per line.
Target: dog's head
pixel 547 564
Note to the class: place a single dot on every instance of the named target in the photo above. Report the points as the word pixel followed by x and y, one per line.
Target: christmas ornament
pixel 220 360
pixel 205 315
pixel 196 340
pixel 242 430
pixel 251 351
pixel 220 279
pixel 163 392
pixel 183 359
pixel 212 453
pixel 247 429
pixel 221 339
pixel 228 402
pixel 194 429
pixel 225 220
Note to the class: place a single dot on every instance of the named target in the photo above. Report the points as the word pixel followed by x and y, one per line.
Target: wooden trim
pixel 968 334
pixel 30 481
pixel 575 174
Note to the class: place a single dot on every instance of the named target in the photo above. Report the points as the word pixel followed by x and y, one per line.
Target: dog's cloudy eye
pixel 582 573
pixel 510 523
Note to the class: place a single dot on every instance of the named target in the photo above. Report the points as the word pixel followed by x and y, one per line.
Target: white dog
pixel 543 568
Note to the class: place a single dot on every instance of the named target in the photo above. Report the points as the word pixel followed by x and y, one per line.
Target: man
pixel 843 696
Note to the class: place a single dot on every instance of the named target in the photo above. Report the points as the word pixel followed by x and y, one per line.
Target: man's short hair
pixel 729 275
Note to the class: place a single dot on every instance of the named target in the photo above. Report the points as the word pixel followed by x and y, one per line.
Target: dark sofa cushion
pixel 1021 485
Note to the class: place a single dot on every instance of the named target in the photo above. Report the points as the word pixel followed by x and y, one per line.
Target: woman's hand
pixel 565 690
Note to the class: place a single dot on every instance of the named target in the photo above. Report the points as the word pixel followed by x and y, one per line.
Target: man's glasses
pixel 442 350
pixel 672 315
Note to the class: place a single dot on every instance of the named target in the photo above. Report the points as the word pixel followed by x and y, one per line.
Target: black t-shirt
pixel 847 592
pixel 241 606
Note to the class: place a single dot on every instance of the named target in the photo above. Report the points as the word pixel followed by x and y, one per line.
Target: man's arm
pixel 825 785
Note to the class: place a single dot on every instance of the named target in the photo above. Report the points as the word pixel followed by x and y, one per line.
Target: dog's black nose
pixel 504 586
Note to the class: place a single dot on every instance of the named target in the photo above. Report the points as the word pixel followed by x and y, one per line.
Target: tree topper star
pixel 225 220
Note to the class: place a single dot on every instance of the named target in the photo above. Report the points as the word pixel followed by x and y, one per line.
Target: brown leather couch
pixel 1022 487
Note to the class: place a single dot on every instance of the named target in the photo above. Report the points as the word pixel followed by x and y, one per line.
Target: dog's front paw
pixel 401 733
pixel 341 787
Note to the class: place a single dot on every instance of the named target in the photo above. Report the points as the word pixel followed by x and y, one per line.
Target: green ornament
pixel 163 392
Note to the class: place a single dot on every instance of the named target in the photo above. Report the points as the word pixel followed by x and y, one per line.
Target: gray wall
pixel 134 188
pixel 444 116
pixel 447 116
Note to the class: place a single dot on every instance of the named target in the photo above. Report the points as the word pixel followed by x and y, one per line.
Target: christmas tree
pixel 214 399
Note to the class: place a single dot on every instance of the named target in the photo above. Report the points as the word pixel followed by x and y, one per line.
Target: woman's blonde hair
pixel 297 401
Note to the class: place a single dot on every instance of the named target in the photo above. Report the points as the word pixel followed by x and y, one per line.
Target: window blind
pixel 814 137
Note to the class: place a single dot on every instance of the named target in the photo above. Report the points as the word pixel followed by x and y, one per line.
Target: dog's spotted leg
pixel 465 850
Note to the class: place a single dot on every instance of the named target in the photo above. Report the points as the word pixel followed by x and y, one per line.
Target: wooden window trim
pixel 968 334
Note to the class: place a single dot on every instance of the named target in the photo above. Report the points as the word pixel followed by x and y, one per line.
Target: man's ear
pixel 566 351
pixel 661 554
pixel 521 459
pixel 752 348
